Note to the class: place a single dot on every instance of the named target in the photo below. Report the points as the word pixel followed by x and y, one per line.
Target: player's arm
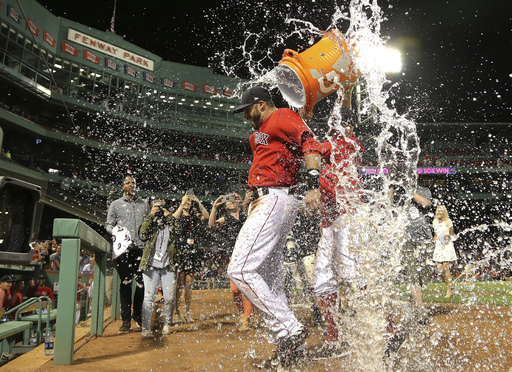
pixel 313 166
pixel 424 202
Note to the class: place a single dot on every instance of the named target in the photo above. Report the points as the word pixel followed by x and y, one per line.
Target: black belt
pixel 262 191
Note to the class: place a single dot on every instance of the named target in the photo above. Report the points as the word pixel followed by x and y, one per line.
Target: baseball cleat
pixel 330 350
pixel 394 343
pixel 290 349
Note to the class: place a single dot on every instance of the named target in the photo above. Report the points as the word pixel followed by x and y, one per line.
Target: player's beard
pixel 255 118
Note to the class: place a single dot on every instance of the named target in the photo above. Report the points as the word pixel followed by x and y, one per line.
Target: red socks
pixel 328 308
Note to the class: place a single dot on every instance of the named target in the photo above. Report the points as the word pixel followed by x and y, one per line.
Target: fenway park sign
pixel 110 49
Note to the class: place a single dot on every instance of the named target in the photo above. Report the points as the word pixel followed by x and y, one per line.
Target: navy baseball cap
pixel 7 278
pixel 251 96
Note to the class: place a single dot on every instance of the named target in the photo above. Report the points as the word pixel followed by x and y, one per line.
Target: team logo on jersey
pixel 261 138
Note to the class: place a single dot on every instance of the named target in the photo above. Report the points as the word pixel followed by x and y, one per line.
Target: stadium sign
pixel 449 170
pixel 112 50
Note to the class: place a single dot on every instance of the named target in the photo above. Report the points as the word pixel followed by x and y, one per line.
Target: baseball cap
pixel 7 278
pixel 251 96
pixel 40 277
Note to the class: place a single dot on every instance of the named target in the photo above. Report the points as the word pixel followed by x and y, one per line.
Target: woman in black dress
pixel 232 222
pixel 190 254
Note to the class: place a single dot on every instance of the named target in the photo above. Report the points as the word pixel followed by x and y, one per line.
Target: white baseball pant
pixel 257 266
pixel 302 271
pixel 334 261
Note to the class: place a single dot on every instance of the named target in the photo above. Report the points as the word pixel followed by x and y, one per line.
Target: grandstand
pixel 76 123
pixel 76 116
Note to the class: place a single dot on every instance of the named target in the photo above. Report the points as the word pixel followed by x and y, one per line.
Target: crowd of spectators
pixel 43 161
pixel 465 157
pixel 13 292
pixel 162 142
pixel 48 253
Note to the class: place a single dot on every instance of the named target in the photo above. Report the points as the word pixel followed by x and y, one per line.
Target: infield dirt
pixel 459 338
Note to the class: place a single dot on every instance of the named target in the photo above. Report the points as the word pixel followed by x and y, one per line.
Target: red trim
pixel 249 252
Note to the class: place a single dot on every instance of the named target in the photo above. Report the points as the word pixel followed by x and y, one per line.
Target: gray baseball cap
pixel 251 96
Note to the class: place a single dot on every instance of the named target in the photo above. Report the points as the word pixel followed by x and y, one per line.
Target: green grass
pixel 476 293
pixel 492 292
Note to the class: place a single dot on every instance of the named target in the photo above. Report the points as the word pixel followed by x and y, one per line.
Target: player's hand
pixel 312 202
pixel 305 115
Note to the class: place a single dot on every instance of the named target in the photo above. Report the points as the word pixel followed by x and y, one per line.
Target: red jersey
pixel 38 292
pixel 278 148
pixel 340 162
pixel 16 299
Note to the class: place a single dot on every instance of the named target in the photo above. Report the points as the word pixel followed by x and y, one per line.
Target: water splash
pixel 376 228
pixel 376 237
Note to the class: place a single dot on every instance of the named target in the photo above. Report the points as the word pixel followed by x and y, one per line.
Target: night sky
pixel 456 53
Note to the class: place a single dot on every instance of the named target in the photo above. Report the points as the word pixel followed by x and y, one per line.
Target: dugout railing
pixel 76 235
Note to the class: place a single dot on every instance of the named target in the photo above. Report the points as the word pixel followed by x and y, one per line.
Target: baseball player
pixel 415 249
pixel 335 264
pixel 280 142
pixel 299 258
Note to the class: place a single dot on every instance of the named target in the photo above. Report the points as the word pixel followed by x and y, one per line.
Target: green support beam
pixel 68 283
pixel 98 294
pixel 76 235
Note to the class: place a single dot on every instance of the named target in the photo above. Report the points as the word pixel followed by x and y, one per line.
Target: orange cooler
pixel 306 78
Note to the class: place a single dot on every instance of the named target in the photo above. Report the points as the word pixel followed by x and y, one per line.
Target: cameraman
pixel 160 230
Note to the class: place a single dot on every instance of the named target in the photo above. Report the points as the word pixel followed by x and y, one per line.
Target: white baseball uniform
pixel 339 183
pixel 256 266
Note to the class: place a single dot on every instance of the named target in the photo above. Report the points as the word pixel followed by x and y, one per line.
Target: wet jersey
pixel 346 153
pixel 278 148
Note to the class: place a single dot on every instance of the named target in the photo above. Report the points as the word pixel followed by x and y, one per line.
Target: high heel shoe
pixel 449 293
pixel 244 324
pixel 187 318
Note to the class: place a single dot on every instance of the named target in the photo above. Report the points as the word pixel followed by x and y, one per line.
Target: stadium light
pixel 388 59
pixel 391 60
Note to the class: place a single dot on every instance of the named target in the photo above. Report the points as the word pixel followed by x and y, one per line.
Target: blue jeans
pixel 152 277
